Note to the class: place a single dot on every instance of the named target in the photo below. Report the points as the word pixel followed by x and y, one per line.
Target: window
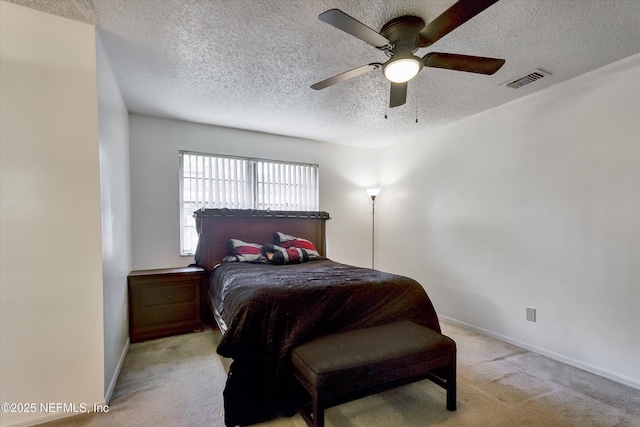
pixel 212 181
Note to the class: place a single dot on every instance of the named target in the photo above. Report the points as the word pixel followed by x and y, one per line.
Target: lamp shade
pixel 373 191
pixel 402 69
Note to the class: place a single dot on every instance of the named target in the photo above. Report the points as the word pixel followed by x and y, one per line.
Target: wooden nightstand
pixel 164 302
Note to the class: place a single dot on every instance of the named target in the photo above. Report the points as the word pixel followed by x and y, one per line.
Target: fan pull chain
pixel 416 109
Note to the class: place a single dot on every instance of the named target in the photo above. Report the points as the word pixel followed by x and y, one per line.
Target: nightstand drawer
pixel 167 314
pixel 173 294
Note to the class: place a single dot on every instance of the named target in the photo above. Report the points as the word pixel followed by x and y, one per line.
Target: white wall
pixel 534 204
pixel 113 121
pixel 51 318
pixel 155 143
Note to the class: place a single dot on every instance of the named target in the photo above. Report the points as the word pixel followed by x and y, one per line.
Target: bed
pixel 266 310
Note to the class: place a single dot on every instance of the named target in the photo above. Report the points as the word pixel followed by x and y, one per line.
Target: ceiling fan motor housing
pixel 402 32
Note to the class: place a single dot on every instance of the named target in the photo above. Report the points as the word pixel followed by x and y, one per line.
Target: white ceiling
pixel 248 64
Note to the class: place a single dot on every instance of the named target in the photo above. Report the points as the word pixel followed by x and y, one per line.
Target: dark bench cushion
pixel 368 356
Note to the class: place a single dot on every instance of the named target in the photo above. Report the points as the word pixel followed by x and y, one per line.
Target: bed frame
pixel 217 226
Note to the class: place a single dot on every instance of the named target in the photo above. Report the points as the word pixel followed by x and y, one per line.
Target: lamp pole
pixel 373 193
pixel 373 230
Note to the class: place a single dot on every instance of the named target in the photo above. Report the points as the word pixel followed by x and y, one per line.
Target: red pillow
pixel 246 252
pixel 287 241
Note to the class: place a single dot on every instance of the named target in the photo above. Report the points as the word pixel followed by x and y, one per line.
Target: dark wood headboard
pixel 217 226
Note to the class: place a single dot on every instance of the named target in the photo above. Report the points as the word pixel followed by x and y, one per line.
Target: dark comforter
pixel 271 309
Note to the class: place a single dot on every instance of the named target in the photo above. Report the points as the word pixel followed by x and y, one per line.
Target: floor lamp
pixel 373 193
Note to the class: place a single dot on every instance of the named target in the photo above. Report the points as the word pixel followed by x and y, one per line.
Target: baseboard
pixel 630 382
pixel 116 374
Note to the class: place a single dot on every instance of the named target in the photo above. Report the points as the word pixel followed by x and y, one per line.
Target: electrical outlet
pixel 531 314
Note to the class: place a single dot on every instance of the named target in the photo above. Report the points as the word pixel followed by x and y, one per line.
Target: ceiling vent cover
pixel 530 77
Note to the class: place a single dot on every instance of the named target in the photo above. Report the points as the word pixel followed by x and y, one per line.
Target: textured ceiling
pixel 248 64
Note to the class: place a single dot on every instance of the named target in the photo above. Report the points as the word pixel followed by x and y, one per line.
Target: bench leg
pixel 313 414
pixel 318 412
pixel 451 385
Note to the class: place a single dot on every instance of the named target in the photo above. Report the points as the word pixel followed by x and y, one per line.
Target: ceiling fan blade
pixel 350 25
pixel 450 19
pixel 345 76
pixel 398 94
pixel 468 63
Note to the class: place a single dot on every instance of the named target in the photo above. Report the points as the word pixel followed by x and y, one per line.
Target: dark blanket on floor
pixel 270 309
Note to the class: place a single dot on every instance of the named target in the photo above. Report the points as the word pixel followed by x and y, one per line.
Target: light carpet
pixel 178 381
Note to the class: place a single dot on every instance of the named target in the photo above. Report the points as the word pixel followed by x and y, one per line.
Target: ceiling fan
pixel 401 37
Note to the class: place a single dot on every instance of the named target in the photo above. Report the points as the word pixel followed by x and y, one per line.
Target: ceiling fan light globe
pixel 402 69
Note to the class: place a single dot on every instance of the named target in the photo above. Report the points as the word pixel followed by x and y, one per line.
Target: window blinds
pixel 286 186
pixel 215 182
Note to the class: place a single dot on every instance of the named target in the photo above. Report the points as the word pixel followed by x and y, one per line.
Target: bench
pixel 338 368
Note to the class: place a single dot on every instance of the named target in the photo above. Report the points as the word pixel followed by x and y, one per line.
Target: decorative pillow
pixel 246 252
pixel 287 241
pixel 279 255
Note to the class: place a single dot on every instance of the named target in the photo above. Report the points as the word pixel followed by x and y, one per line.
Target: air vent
pixel 530 77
